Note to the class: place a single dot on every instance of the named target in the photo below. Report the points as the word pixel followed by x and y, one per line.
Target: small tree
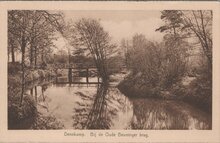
pixel 174 59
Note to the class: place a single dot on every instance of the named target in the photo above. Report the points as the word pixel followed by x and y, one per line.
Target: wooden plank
pixel 92 69
pixel 78 83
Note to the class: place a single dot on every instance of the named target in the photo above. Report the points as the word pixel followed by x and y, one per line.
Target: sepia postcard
pixel 112 72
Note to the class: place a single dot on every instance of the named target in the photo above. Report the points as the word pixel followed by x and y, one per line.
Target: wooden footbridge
pixel 72 75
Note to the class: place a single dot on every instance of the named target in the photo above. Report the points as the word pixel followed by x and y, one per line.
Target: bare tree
pixel 90 35
pixel 200 23
pixel 43 28
pixel 191 24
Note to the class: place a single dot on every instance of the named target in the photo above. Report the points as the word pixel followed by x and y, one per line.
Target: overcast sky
pixel 122 24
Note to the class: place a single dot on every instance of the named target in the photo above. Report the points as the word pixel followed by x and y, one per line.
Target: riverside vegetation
pixel 174 68
pixel 27 116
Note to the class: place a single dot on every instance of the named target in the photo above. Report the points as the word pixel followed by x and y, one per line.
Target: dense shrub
pixel 201 90
pixel 159 64
pixel 14 67
pixel 134 86
pixel 158 70
pixel 46 122
pixel 198 92
pixel 21 116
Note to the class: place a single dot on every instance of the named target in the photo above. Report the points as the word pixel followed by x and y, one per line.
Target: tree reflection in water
pixel 157 114
pixel 107 108
pixel 40 97
pixel 95 112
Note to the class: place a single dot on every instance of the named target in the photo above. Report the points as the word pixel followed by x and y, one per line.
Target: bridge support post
pixel 56 76
pixel 87 75
pixel 35 93
pixel 70 75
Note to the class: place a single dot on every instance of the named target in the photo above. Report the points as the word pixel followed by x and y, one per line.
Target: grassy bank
pixel 195 91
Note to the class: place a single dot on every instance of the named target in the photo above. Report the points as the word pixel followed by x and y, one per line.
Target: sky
pixel 121 24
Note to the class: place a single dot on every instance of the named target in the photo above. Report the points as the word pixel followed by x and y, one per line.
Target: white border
pixel 154 135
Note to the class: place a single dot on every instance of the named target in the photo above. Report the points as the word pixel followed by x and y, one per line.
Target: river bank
pixel 26 116
pixel 189 90
pixel 48 105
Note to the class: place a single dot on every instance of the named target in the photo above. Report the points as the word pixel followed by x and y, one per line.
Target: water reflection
pixel 101 107
pixel 158 114
pixel 97 112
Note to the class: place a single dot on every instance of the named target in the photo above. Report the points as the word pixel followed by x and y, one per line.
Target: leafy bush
pixel 198 93
pixel 160 64
pixel 201 90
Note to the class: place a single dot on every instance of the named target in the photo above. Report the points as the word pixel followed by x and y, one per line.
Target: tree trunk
pixel 35 57
pixel 23 45
pixel 35 93
pixel 8 55
pixel 12 54
pixel 42 58
pixel 31 91
pixel 31 55
pixel 102 70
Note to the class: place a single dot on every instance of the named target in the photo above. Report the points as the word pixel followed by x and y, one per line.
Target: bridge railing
pixel 81 72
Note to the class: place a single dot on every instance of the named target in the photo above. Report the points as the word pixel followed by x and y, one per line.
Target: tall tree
pixel 173 21
pixel 25 26
pixel 200 24
pixel 44 26
pixel 190 24
pixel 12 47
pixel 125 47
pixel 19 27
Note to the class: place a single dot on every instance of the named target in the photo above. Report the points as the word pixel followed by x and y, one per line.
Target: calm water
pixel 98 107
